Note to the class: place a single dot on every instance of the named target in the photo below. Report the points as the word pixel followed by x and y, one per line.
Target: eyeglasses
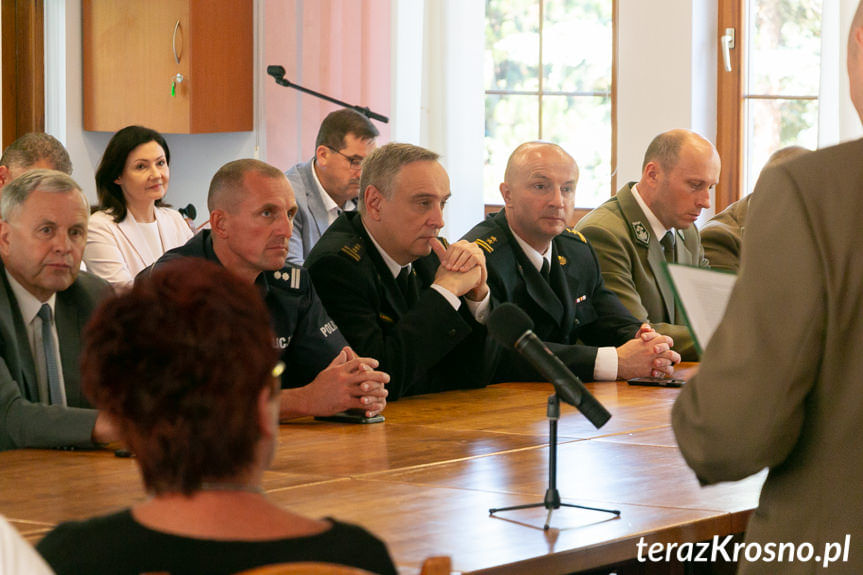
pixel 356 163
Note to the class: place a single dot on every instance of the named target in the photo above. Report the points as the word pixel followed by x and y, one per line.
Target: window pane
pixel 582 125
pixel 511 45
pixel 509 121
pixel 784 48
pixel 577 45
pixel 774 124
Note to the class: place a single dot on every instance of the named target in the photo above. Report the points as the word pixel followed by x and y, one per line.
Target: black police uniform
pixel 424 345
pixel 307 337
pixel 573 312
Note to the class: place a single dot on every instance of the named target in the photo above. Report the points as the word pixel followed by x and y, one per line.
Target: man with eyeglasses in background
pixel 329 183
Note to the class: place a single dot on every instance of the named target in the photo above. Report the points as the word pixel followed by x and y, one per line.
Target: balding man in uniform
pixel 651 222
pixel 251 207
pixel 552 273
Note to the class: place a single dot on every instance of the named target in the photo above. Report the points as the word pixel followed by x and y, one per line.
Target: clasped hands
pixel 648 354
pixel 348 382
pixel 462 269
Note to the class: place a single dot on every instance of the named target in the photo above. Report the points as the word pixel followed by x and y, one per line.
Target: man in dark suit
pixel 329 183
pixel 651 222
pixel 552 273
pixel 395 290
pixel 31 151
pixel 251 211
pixel 779 384
pixel 45 301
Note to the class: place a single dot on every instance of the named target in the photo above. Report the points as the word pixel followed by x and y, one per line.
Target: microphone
pixel 511 327
pixel 188 212
pixel 278 74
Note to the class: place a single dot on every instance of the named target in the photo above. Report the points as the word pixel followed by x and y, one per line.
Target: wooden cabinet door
pixel 133 51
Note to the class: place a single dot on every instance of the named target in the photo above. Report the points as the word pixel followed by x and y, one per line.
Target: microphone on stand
pixel 188 212
pixel 511 327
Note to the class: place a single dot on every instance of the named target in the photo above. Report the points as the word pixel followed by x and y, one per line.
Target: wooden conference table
pixel 425 480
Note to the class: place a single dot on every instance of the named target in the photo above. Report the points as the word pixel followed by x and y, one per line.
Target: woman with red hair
pixel 184 365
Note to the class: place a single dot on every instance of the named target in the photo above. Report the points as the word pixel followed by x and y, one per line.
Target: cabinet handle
pixel 174 42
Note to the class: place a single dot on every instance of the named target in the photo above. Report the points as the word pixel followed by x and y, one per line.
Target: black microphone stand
pixel 552 496
pixel 278 74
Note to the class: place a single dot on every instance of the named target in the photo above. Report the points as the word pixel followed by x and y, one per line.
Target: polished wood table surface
pixel 425 480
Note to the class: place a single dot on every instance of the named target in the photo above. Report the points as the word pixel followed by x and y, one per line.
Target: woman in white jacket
pixel 132 228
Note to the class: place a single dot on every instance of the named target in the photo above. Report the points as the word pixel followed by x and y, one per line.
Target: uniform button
pixel 577 321
pixel 452 333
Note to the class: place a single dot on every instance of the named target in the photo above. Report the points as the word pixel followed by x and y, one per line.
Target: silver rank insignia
pixel 641 233
pixel 293 277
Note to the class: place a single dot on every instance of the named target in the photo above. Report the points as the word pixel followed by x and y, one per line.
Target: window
pixel 770 98
pixel 549 75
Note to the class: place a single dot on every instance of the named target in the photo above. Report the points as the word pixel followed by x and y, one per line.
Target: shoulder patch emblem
pixel 353 251
pixel 289 275
pixel 486 243
pixel 444 242
pixel 641 233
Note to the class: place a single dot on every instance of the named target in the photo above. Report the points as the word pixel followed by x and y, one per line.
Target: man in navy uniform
pixel 395 289
pixel 550 271
pixel 251 208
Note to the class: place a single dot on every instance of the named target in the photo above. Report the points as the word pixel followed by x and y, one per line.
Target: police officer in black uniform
pixel 308 338
pixel 552 273
pixel 251 206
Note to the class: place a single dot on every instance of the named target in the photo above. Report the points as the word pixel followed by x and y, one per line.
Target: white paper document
pixel 702 294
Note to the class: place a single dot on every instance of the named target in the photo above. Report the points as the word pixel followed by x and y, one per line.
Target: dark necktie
pixel 48 347
pixel 407 285
pixel 667 242
pixel 545 271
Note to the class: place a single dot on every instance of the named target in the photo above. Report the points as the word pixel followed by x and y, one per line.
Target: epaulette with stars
pixel 288 277
pixel 574 234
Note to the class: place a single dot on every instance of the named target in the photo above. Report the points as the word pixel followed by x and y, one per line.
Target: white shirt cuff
pixel 448 296
pixel 479 309
pixel 605 368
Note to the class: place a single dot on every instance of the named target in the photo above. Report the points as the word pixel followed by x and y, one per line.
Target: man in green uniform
pixel 651 222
